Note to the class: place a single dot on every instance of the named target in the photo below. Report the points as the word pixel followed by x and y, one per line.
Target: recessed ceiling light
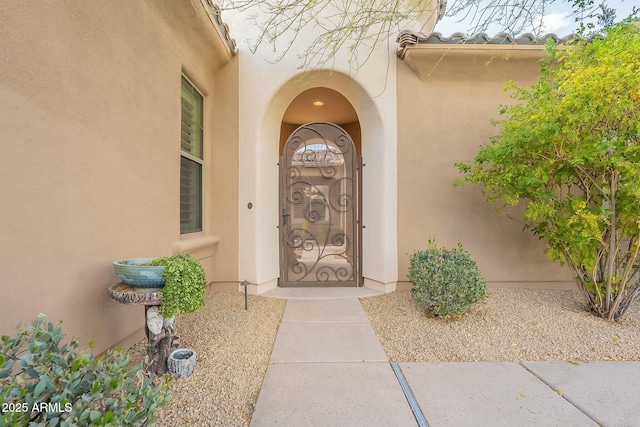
pixel 318 103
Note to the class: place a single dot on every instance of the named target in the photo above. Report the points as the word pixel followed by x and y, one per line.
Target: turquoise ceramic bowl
pixel 133 272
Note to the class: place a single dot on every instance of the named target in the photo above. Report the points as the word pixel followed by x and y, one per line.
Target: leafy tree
pixel 360 26
pixel 570 152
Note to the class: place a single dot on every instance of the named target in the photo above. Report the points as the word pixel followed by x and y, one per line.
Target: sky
pixel 557 20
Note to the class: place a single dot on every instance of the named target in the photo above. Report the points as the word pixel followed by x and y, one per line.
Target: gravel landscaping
pixel 511 325
pixel 516 325
pixel 233 347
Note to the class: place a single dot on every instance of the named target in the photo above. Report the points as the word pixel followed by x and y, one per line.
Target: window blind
pixel 191 158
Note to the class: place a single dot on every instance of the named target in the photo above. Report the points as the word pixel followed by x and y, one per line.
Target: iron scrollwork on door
pixel 319 207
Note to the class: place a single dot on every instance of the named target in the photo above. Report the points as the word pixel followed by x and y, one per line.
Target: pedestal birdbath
pixel 159 331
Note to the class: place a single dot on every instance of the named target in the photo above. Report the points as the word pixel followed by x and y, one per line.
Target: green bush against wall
pixel 447 280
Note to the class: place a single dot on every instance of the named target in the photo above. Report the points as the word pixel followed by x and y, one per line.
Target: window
pixel 191 159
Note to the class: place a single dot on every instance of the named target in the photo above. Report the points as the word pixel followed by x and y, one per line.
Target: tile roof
pixel 214 13
pixel 410 38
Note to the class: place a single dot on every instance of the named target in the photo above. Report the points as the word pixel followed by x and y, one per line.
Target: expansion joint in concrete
pixel 561 394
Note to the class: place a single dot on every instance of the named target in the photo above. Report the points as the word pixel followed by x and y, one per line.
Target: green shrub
pixel 185 284
pixel 447 280
pixel 46 383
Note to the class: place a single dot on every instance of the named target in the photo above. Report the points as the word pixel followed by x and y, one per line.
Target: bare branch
pixel 360 26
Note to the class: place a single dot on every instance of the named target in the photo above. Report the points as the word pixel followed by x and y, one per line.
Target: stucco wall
pixel 443 118
pixel 89 171
pixel 223 200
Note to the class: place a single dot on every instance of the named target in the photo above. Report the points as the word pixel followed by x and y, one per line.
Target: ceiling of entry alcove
pixel 336 109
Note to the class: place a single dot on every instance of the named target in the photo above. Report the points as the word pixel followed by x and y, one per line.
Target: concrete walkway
pixel 329 369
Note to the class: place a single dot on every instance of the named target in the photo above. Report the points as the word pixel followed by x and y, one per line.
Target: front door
pixel 320 230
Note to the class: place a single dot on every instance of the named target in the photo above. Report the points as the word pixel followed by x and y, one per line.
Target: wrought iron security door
pixel 319 206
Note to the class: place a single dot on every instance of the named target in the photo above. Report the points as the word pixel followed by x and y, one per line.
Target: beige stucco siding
pixel 223 202
pixel 89 153
pixel 443 118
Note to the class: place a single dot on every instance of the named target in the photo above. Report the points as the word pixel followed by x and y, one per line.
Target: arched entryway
pixel 321 104
pixel 320 231
pixel 373 130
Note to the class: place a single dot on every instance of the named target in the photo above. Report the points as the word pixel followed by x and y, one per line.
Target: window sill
pixel 195 243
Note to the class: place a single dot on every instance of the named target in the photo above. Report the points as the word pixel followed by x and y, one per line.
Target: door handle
pixel 284 216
